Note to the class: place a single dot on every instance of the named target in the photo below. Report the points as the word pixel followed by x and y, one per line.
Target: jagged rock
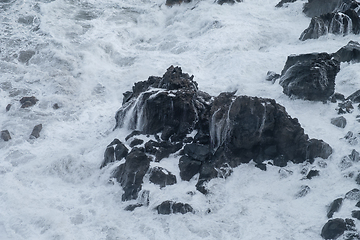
pixel 25 56
pixel 337 97
pixel 334 207
pixel 159 103
pixel 188 167
pixel 304 190
pixel 348 53
pixel 282 2
pixel 261 166
pixel 345 107
pixel 28 101
pixel 109 156
pixel 132 207
pixel 272 76
pixel 333 229
pixel 197 151
pixel 130 174
pixel 169 207
pixel 310 76
pixel 178 2
pixel 355 97
pixel 312 173
pixel 162 149
pixel 354 156
pixel 162 177
pixel 315 8
pixel 355 214
pixel 136 142
pixel 36 131
pixel 8 107
pixel 221 2
pixel 340 23
pixel 5 135
pixel 339 122
pixel 132 134
pixel 353 195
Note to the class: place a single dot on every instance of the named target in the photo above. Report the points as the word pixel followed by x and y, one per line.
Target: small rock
pixel 162 177
pixel 132 207
pixel 304 190
pixel 312 173
pixel 353 194
pixel 28 101
pixel 5 135
pixel 339 122
pixel 25 56
pixel 36 131
pixel 272 76
pixel 261 166
pixel 133 133
pixel 169 207
pixel 8 107
pixel 282 2
pixel 354 156
pixel 334 207
pixel 355 214
pixel 108 156
pixel 56 106
pixel 136 142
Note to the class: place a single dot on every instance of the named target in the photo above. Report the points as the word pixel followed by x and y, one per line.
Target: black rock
pixel 132 134
pixel 56 106
pixel 355 97
pixel 282 2
pixel 315 8
pixel 339 122
pixel 5 135
pixel 334 207
pixel 348 53
pixel 8 107
pixel 130 174
pixel 109 156
pixel 353 195
pixel 178 106
pixel 221 2
pixel 136 142
pixel 178 2
pixel 188 168
pixel 310 76
pixel 312 173
pixel 333 229
pixel 340 23
pixel 36 131
pixel 261 166
pixel 162 150
pixel 345 107
pixel 28 101
pixel 272 76
pixel 162 177
pixel 121 151
pixel 197 151
pixel 169 207
pixel 355 214
pixel 354 156
pixel 132 207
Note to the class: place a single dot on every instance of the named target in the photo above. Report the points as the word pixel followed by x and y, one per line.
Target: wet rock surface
pixel 315 8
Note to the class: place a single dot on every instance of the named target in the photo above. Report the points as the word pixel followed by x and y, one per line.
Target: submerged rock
pixel 28 101
pixel 174 2
pixel 36 131
pixel 169 207
pixel 310 76
pixel 5 135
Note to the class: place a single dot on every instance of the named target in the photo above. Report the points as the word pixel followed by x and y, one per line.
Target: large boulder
pixel 339 23
pixel 310 76
pixel 171 102
pixel 131 173
pixel 315 8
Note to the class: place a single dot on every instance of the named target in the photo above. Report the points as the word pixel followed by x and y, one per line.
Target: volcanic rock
pixel 130 174
pixel 348 53
pixel 36 131
pixel 28 101
pixel 339 23
pixel 310 76
pixel 169 207
pixel 334 207
pixel 162 177
pixel 5 135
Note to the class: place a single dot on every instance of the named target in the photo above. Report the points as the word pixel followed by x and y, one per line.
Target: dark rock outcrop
pixel 176 2
pixel 312 173
pixel 354 194
pixel 315 8
pixel 339 23
pixel 5 135
pixel 282 2
pixel 355 97
pixel 28 101
pixel 169 207
pixel 112 154
pixel 161 177
pixel 348 53
pixel 334 207
pixel 310 76
pixel 130 174
pixel 36 131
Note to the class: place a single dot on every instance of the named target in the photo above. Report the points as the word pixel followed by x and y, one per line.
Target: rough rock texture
pixel 169 207
pixel 334 228
pixel 130 174
pixel 28 101
pixel 171 102
pixel 355 97
pixel 339 121
pixel 340 23
pixel 5 135
pixel 348 53
pixel 310 76
pixel 282 2
pixel 315 8
pixel 162 177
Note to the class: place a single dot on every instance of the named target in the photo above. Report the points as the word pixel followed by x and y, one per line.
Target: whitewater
pixel 85 54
